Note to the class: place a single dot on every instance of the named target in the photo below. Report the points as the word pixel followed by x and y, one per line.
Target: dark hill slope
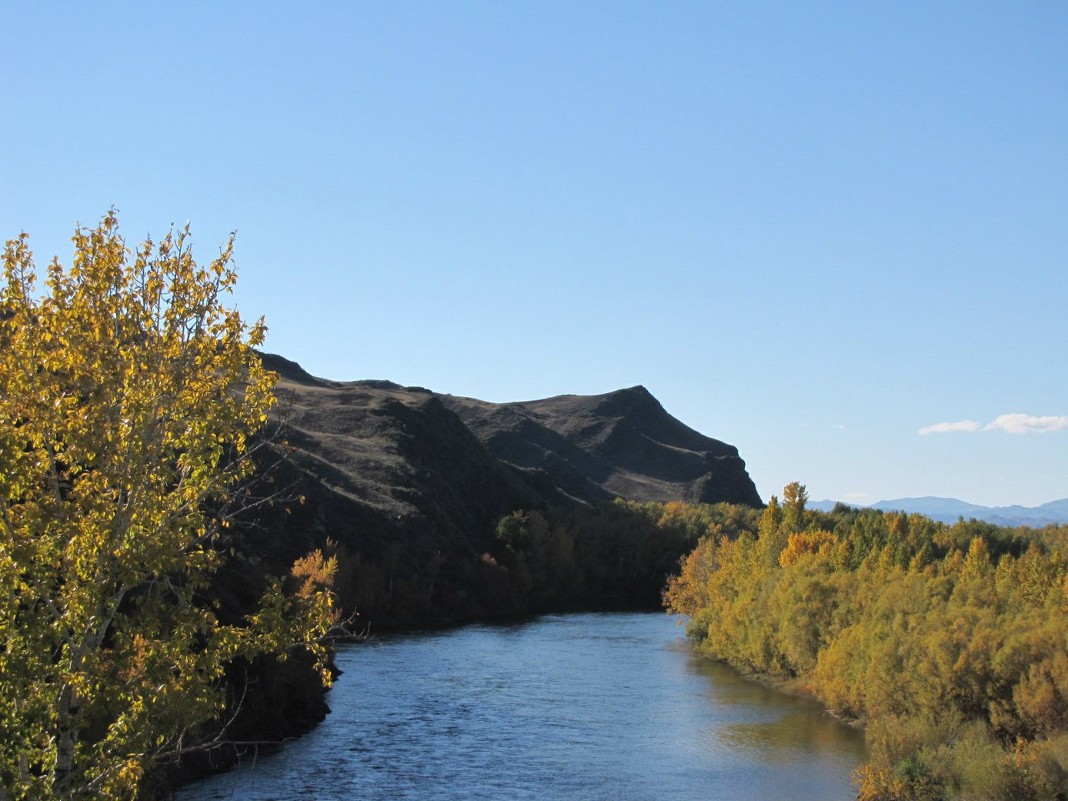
pixel 622 444
pixel 411 484
pixel 383 466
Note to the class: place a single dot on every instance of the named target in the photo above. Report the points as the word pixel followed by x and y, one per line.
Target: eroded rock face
pixel 371 439
pixel 622 444
pixel 410 484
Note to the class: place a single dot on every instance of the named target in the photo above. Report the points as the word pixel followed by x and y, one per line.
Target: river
pixel 563 708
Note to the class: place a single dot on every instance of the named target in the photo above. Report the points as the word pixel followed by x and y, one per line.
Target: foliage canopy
pixel 129 396
pixel 948 642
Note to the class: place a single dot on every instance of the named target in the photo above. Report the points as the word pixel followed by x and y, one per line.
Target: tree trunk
pixel 66 739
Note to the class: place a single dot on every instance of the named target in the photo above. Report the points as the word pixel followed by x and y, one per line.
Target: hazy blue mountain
pixel 949 510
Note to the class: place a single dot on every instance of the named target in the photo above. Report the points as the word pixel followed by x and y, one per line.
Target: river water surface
pixel 563 708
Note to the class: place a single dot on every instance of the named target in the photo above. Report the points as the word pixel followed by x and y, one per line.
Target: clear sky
pixel 834 235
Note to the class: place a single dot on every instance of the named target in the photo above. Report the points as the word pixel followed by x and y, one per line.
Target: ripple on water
pixel 566 708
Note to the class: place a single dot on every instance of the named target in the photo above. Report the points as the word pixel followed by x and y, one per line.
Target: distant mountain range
pixel 949 510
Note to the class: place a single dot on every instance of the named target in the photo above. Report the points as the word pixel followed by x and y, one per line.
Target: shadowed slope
pixel 619 444
pixel 411 484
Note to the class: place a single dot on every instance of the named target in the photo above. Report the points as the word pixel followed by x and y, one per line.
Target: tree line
pixel 607 555
pixel 946 642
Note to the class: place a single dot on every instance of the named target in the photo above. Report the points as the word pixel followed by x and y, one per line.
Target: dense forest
pixel 604 555
pixel 946 642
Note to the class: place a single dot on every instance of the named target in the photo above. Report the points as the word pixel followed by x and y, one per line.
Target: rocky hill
pixel 622 444
pixel 410 484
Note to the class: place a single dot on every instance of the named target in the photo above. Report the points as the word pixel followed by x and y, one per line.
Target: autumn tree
pixel 795 496
pixel 129 397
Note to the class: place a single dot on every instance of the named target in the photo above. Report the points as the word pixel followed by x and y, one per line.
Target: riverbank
pixel 944 642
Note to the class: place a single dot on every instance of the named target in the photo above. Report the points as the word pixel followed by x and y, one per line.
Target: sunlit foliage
pixel 948 643
pixel 129 396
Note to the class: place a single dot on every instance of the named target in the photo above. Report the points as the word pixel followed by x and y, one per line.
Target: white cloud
pixel 1017 423
pixel 948 428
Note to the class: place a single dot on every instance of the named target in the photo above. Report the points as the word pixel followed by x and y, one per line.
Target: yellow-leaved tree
pixel 129 397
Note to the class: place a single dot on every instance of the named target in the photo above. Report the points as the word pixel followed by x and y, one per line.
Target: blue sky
pixel 831 234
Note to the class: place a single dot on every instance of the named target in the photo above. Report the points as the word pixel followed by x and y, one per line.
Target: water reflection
pixel 774 727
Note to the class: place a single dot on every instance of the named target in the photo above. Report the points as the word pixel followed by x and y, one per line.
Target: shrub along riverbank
pixel 948 643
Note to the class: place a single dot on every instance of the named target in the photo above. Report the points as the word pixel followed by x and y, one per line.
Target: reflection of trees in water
pixel 778 727
pixel 794 736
